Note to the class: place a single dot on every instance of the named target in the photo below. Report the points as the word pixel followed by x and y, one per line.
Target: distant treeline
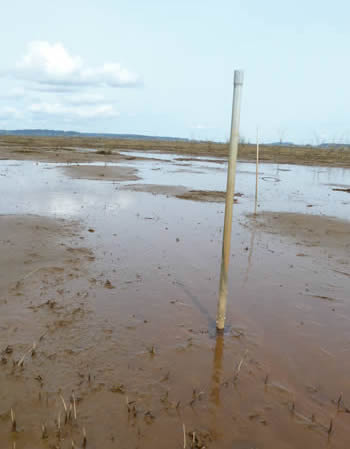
pixel 59 133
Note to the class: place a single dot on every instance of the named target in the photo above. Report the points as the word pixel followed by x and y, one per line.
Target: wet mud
pixel 101 172
pixel 181 192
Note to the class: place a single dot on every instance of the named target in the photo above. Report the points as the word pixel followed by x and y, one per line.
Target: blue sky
pixel 165 67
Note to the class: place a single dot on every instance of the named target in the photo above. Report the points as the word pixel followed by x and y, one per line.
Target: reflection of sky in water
pixel 42 188
pixel 167 156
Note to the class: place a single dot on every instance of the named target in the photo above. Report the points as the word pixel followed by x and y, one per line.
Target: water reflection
pixel 301 189
pixel 217 370
pixel 251 248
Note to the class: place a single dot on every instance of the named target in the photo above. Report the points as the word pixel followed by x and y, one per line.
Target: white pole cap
pixel 238 78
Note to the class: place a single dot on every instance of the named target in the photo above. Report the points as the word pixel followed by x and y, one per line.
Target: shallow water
pixel 293 188
pixel 162 256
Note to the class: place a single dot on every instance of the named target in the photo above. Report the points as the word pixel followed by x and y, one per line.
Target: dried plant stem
pixel 330 428
pixel 65 409
pixel 239 366
pixel 13 421
pixel 74 406
pixel 84 438
pixel 340 400
pixel 31 349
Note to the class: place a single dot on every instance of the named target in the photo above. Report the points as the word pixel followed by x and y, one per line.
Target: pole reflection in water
pixel 251 249
pixel 217 370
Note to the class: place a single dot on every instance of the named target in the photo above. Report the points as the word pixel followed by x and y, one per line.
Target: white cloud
pixel 62 110
pixel 54 68
pixel 84 99
pixel 50 60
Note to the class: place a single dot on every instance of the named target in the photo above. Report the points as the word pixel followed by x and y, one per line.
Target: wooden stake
pixel 230 190
pixel 257 170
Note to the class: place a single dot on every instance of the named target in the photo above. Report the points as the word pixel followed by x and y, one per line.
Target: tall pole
pixel 230 190
pixel 257 170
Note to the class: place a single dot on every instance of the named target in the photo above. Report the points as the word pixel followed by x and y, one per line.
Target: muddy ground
pixel 62 149
pixel 95 172
pixel 181 192
pixel 108 295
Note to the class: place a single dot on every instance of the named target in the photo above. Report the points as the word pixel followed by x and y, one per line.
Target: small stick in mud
pixel 59 425
pixel 292 410
pixel 44 434
pixel 256 171
pixel 74 406
pixel 84 438
pixel 70 412
pixel 184 431
pixel 65 409
pixel 194 397
pixel 152 350
pixel 239 366
pixel 340 400
pixel 31 350
pixel 330 428
pixel 13 421
pixel 21 360
pixel 131 409
pixel 266 381
pixel 41 338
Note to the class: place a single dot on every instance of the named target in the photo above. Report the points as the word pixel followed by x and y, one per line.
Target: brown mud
pixel 181 192
pixel 64 149
pixel 310 230
pixel 100 172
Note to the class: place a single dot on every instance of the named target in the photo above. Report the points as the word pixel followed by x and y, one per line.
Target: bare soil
pixel 310 230
pixel 63 150
pixel 98 172
pixel 181 192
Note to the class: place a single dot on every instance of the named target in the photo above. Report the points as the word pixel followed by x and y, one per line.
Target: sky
pixel 165 68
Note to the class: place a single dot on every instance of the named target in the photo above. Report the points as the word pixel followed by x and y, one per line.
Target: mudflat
pixel 108 294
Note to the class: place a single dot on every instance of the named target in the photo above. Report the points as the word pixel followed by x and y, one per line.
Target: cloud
pixel 85 99
pixel 61 110
pixel 52 68
pixel 52 89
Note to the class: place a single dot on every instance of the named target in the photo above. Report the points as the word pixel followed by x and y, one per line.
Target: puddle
pixel 302 189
